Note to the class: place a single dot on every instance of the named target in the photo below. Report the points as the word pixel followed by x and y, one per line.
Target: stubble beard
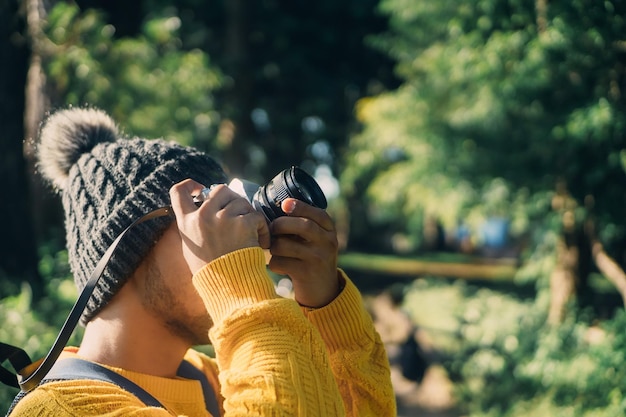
pixel 161 301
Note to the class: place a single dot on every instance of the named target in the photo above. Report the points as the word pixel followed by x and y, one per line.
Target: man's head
pixel 106 183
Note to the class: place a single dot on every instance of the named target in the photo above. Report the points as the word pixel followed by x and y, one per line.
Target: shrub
pixel 34 327
pixel 505 361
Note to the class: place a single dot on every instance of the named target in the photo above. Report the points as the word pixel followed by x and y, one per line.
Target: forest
pixel 473 154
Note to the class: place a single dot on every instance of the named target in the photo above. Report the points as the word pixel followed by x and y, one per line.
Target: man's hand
pixel 304 247
pixel 225 222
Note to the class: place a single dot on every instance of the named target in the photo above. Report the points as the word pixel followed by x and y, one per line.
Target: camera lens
pixel 290 183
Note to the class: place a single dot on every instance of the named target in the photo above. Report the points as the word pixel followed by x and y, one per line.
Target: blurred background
pixel 473 154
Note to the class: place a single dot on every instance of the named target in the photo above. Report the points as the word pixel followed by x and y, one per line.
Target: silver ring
pixel 204 194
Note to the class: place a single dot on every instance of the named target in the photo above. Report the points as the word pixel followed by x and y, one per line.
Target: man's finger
pixel 296 208
pixel 219 197
pixel 181 196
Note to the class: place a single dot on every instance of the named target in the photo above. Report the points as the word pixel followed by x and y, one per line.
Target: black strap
pixel 29 379
pixel 30 375
pixel 18 360
pixel 76 368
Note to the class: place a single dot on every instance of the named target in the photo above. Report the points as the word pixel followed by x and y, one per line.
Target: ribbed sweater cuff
pixel 232 281
pixel 343 322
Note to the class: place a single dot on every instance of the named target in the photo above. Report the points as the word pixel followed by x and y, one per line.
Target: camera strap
pixel 29 374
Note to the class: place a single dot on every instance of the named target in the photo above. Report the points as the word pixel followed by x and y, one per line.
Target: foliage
pixel 500 103
pixel 288 74
pixel 294 71
pixel 506 362
pixel 148 83
pixel 34 326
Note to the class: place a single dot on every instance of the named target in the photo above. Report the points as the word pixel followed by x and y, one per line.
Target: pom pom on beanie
pixel 68 135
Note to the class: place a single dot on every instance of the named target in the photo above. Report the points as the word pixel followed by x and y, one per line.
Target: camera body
pixel 289 183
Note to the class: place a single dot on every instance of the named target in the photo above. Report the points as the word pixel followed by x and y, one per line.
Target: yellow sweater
pixel 273 358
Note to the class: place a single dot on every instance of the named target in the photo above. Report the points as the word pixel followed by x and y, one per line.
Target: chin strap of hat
pixel 30 374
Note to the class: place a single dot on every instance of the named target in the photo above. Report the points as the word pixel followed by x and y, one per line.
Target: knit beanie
pixel 107 182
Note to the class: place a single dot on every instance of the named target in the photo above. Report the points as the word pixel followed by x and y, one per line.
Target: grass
pixel 443 265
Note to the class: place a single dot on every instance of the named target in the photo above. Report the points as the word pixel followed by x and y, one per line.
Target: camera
pixel 289 183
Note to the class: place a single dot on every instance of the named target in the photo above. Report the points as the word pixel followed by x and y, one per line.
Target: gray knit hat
pixel 107 182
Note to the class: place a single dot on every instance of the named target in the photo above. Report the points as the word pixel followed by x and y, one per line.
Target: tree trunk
pixel 541 9
pixel 578 249
pixel 237 130
pixel 18 262
pixel 45 207
pixel 568 280
pixel 610 269
pixel 564 277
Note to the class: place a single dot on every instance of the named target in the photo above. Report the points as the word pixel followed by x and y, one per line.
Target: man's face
pixel 169 293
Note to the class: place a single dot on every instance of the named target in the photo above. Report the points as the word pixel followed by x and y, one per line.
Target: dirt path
pixel 430 397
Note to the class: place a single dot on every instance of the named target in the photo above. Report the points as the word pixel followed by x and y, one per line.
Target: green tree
pixel 148 83
pixel 507 108
pixel 293 71
pixel 290 74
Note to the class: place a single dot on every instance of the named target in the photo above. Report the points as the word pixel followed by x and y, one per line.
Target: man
pixel 201 278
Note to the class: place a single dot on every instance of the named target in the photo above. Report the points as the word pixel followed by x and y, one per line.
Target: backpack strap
pixel 188 371
pixel 75 368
